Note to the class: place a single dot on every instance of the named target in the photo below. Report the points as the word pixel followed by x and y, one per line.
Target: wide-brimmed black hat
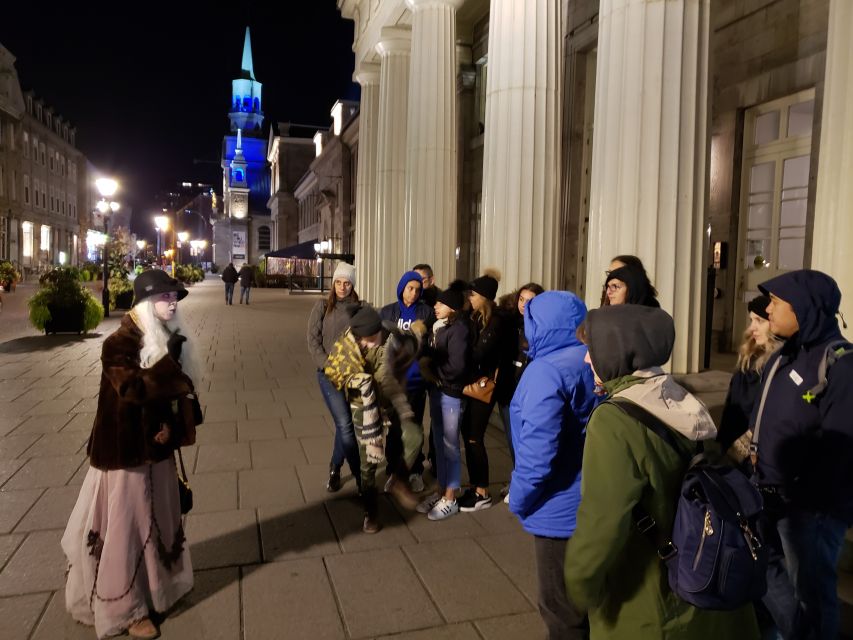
pixel 154 282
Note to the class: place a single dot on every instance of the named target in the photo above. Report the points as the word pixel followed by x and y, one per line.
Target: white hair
pixel 155 339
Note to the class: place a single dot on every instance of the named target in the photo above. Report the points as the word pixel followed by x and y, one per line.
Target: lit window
pixel 45 238
pixel 27 229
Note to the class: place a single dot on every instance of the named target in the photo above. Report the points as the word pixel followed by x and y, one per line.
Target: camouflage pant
pixel 413 440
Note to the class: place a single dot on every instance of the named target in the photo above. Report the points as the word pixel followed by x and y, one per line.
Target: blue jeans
pixel 229 292
pixel 246 291
pixel 445 414
pixel 345 446
pixel 504 409
pixel 802 581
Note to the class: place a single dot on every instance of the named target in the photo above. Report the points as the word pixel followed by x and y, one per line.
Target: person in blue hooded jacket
pixel 409 308
pixel 549 411
pixel 802 450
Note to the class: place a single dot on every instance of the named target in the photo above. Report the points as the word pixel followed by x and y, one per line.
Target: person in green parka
pixel 612 570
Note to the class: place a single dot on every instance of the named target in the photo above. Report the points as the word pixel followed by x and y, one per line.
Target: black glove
pixel 175 344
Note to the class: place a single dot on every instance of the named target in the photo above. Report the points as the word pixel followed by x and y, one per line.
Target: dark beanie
pixel 365 321
pixel 154 282
pixel 758 306
pixel 486 286
pixel 454 295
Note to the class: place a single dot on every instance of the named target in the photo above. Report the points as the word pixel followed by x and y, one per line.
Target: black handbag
pixel 184 491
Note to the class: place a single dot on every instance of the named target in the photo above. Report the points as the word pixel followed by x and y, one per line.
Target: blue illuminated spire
pixel 247 66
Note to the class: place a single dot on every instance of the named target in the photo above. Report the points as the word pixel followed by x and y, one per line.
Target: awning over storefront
pixel 303 250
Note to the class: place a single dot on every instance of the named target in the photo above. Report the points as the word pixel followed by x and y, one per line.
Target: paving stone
pixel 57 623
pixel 500 466
pixel 79 475
pixel 18 615
pixel 463 631
pixel 50 423
pixel 222 457
pixel 313 479
pixel 8 469
pixel 267 410
pixel 225 412
pixel 307 408
pixel 217 433
pixel 347 517
pixel 525 625
pixel 210 611
pixel 8 546
pixel 45 472
pixel 515 554
pixel 223 538
pixel 38 565
pixel 384 576
pixel 39 395
pixel 8 424
pixel 64 406
pixel 317 448
pixel 13 506
pixel 269 429
pixel 51 510
pixel 14 444
pixel 259 396
pixel 272 454
pixel 308 426
pixel 79 392
pixel 288 534
pixel 270 488
pixel 58 444
pixel 270 609
pixel 80 422
pixel 8 393
pixel 458 526
pixel 214 491
pixel 473 573
pixel 498 519
pixel 87 405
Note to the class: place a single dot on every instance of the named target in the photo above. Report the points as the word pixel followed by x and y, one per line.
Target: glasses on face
pixel 613 288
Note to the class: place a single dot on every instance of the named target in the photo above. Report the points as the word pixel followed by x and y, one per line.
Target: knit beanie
pixel 486 286
pixel 454 295
pixel 344 271
pixel 365 321
pixel 758 306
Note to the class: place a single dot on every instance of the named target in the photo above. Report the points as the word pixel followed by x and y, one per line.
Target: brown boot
pixel 371 512
pixel 143 629
pixel 401 492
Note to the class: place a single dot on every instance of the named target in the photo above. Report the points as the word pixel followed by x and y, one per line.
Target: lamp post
pixel 107 188
pixel 161 223
pixel 183 236
pixel 141 245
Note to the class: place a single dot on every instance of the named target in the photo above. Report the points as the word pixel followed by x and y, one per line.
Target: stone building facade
pixel 545 137
pixel 289 157
pixel 43 179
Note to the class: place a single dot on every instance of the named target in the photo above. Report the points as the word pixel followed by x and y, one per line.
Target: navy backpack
pixel 714 558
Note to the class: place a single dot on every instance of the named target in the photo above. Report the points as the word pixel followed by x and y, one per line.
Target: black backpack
pixel 714 558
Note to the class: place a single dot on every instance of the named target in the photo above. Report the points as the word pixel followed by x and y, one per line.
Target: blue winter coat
pixel 806 444
pixel 393 312
pixel 549 411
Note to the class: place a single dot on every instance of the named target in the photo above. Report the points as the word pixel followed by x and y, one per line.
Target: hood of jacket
pixel 551 320
pixel 625 338
pixel 815 298
pixel 659 394
pixel 408 277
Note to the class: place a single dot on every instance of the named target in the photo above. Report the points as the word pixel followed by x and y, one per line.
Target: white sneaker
pixel 506 499
pixel 444 508
pixel 426 505
pixel 416 482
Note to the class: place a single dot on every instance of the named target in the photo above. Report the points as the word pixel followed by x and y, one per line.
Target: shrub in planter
pixel 62 304
pixel 121 293
pixel 9 276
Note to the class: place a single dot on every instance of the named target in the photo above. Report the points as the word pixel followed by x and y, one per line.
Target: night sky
pixel 149 90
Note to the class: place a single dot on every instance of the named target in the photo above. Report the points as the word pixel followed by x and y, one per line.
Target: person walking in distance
pixel 230 278
pixel 247 281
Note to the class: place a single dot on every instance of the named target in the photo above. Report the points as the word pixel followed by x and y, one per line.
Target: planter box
pixel 65 319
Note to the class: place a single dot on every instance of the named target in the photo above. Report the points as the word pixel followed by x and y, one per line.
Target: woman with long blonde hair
pixel 757 347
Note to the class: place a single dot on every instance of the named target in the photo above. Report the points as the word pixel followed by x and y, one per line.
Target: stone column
pixel 521 155
pixel 366 205
pixel 649 155
pixel 833 217
pixel 430 230
pixel 394 51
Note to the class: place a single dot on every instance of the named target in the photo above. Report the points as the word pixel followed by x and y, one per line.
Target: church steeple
pixel 246 112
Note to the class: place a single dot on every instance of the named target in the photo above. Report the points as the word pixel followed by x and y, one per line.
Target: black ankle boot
pixel 371 512
pixel 334 483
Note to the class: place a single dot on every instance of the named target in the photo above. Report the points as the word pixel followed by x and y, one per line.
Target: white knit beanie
pixel 344 271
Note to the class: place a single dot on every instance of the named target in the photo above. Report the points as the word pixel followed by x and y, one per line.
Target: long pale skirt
pixel 125 546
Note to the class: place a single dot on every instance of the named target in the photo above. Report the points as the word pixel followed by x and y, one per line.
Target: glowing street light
pixel 107 187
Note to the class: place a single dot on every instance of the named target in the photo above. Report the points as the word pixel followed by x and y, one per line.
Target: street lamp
pixel 183 236
pixel 107 188
pixel 141 245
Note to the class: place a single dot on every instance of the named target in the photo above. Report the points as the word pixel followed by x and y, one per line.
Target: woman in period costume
pixel 125 545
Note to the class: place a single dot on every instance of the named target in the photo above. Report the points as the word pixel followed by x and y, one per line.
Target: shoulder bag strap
pixel 183 469
pixel 753 447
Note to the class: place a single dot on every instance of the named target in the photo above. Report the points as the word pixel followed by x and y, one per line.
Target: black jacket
pixel 740 403
pixel 229 274
pixel 449 349
pixel 247 276
pixel 494 349
pixel 806 444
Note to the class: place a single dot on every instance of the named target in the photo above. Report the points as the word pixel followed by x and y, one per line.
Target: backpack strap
pixel 643 520
pixel 834 352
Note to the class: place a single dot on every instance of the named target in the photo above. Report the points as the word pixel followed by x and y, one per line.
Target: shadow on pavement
pixel 30 344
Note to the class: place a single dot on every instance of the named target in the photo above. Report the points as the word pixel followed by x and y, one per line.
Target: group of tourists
pixel 600 437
